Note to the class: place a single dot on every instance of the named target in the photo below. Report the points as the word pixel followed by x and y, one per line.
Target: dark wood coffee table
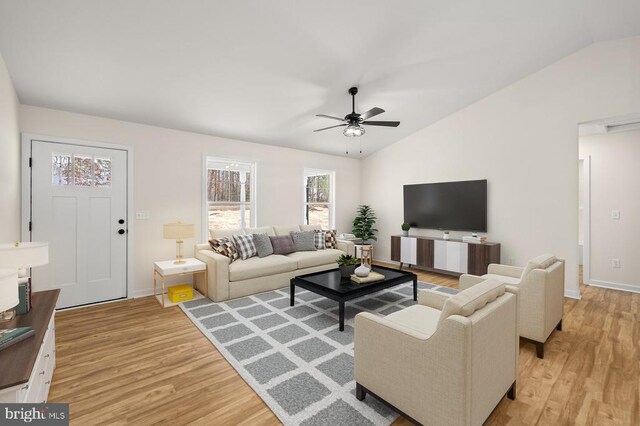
pixel 332 286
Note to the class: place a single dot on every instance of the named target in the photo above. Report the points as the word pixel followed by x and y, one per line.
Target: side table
pixel 166 268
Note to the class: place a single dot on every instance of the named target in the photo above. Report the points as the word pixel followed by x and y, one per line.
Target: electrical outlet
pixel 615 263
pixel 143 215
pixel 615 214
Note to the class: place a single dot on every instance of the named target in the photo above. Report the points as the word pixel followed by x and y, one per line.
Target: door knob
pixel 121 221
pixel 120 231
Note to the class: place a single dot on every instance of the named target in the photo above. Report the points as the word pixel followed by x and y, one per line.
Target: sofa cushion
pixel 261 230
pixel 422 319
pixel 470 300
pixel 219 233
pixel 285 230
pixel 310 227
pixel 539 262
pixel 263 244
pixel 282 244
pixel 225 247
pixel 303 241
pixel 245 246
pixel 309 259
pixel 260 267
pixel 503 279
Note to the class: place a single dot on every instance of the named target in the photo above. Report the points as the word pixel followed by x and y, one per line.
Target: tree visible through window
pixel 229 198
pixel 318 203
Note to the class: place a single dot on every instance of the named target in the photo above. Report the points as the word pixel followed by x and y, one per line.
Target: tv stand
pixel 452 257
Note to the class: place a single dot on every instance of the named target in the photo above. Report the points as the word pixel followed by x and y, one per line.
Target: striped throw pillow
pixel 245 246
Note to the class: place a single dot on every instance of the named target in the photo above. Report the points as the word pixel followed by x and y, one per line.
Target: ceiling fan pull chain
pixel 360 146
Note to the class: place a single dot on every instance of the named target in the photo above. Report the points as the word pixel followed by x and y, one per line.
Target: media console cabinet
pixel 453 257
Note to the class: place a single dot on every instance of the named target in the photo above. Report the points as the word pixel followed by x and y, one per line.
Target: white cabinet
pixel 408 250
pixel 451 256
pixel 36 390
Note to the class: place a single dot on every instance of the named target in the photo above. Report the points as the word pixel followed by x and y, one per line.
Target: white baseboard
pixel 573 294
pixel 614 286
pixel 142 292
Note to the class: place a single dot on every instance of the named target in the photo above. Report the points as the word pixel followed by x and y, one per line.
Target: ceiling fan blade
pixel 330 127
pixel 382 123
pixel 371 113
pixel 331 117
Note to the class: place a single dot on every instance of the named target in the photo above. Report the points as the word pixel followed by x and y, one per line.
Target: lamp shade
pixel 23 255
pixel 178 231
pixel 8 289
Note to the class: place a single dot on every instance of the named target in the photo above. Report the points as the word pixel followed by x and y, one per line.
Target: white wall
pixel 9 159
pixel 524 140
pixel 615 185
pixel 168 177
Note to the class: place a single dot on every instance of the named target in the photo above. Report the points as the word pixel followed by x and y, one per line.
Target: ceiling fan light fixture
pixel 353 130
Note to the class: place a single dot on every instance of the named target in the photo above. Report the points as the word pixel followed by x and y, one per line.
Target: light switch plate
pixel 615 263
pixel 615 214
pixel 143 215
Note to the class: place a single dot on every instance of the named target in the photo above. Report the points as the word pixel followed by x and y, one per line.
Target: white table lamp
pixel 14 258
pixel 178 231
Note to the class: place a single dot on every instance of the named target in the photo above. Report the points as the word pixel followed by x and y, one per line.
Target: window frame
pixel 207 160
pixel 308 171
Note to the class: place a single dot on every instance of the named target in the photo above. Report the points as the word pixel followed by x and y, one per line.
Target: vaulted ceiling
pixel 260 70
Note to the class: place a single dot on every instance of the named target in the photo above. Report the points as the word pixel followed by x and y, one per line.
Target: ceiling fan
pixel 353 122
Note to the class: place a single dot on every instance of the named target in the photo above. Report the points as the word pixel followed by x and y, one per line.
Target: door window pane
pixel 102 172
pixel 61 172
pixel 82 170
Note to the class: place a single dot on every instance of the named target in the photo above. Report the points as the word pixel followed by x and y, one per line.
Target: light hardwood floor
pixel 134 362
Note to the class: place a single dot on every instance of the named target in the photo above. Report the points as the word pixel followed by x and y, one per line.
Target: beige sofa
pixel 255 275
pixel 541 286
pixel 449 360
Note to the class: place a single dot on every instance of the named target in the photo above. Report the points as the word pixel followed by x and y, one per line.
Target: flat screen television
pixel 453 206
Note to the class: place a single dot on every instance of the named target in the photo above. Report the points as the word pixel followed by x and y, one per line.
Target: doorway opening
pixel 609 208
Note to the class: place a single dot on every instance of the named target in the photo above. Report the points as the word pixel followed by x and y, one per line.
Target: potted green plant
pixel 346 264
pixel 363 224
pixel 405 229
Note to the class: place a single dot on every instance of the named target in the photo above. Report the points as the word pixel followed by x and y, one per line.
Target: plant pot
pixel 405 233
pixel 347 270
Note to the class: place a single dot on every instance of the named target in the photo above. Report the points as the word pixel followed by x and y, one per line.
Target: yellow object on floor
pixel 180 293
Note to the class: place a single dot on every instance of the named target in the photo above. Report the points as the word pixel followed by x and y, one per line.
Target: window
pixel 80 170
pixel 230 194
pixel 318 197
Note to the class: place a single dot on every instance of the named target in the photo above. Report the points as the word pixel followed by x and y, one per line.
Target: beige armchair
pixel 448 360
pixel 541 286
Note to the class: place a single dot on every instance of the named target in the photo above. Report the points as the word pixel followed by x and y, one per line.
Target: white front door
pixel 79 206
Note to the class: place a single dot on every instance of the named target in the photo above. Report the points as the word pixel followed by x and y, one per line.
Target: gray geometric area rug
pixel 295 358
